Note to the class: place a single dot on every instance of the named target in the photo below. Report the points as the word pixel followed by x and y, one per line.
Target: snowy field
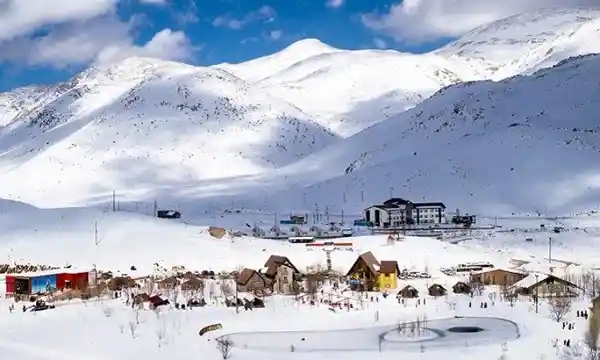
pixel 109 330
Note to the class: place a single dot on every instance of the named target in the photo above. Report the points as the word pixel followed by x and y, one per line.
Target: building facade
pixel 398 212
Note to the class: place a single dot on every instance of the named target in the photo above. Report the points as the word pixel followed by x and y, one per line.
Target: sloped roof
pixel 275 261
pixel 369 260
pixel 244 276
pixel 389 267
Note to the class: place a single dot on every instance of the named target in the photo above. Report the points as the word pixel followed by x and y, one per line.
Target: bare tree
pixel 560 307
pixel 224 346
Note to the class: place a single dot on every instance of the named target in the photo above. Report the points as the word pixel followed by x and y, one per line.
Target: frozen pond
pixel 450 332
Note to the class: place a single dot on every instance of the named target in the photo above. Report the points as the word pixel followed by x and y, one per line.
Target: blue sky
pixel 63 37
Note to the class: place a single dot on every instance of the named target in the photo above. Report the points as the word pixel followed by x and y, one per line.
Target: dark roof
pixel 370 261
pixel 384 206
pixel 428 204
pixel 396 201
pixel 275 261
pixel 389 267
pixel 245 276
pixel 438 286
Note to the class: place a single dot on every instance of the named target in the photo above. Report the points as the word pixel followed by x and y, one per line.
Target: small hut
pixel 141 298
pixel 436 290
pixel 120 283
pixel 192 283
pixel 408 292
pixel 461 288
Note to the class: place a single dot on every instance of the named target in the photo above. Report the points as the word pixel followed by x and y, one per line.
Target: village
pixel 250 288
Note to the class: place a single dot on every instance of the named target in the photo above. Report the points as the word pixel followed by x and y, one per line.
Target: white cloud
pixel 275 34
pixel 264 13
pixel 426 20
pixel 166 44
pixel 19 17
pixel 154 2
pixel 380 43
pixel 80 35
pixel 334 3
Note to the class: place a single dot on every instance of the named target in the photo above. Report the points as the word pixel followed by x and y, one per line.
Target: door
pixel 377 217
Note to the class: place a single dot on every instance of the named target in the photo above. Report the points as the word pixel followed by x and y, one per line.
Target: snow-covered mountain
pixel 528 143
pixel 526 42
pixel 154 129
pixel 348 91
pixel 141 123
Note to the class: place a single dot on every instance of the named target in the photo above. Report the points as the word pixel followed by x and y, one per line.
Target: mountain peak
pixel 310 45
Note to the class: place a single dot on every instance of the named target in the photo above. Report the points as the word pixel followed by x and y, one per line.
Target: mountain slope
pixel 348 91
pixel 529 143
pixel 526 42
pixel 142 123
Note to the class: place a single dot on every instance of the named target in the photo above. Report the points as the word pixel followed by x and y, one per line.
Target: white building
pixel 397 212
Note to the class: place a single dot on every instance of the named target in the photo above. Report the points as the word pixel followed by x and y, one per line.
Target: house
pixel 168 283
pixel 498 276
pixel 388 274
pixel 168 214
pixel 192 283
pixel 462 288
pixel 545 285
pixel 368 274
pixel 250 280
pixel 436 290
pixel 282 274
pixel 120 283
pixel 364 272
pixel 43 282
pixel 408 292
pixel 397 212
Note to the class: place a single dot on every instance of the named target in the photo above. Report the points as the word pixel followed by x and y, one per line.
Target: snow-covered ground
pixel 109 330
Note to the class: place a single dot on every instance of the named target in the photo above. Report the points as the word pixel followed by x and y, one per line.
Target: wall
pixel 76 281
pixel 284 279
pixel 499 277
pixel 387 281
pixel 40 284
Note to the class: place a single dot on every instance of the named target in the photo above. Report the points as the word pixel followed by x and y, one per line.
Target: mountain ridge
pixel 157 129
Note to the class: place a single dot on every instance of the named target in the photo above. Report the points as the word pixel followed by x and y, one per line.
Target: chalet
pixel 168 283
pixel 282 273
pixel 462 288
pixel 408 292
pixel 397 212
pixel 497 276
pixel 436 290
pixel 250 280
pixel 192 283
pixel 545 285
pixel 364 272
pixel 369 274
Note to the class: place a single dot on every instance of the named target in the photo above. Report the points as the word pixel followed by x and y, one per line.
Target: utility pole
pixel 550 249
pixel 114 201
pixel 96 233
pixel 155 209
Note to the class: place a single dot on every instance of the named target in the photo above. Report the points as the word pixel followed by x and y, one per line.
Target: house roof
pixel 489 270
pixel 383 206
pixel 389 267
pixel 433 286
pixel 430 204
pixel 275 261
pixel 531 281
pixel 407 288
pixel 245 275
pixel 396 201
pixel 370 261
pixel 50 272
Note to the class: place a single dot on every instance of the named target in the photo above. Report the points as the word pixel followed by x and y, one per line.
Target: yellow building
pixel 370 275
pixel 388 275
